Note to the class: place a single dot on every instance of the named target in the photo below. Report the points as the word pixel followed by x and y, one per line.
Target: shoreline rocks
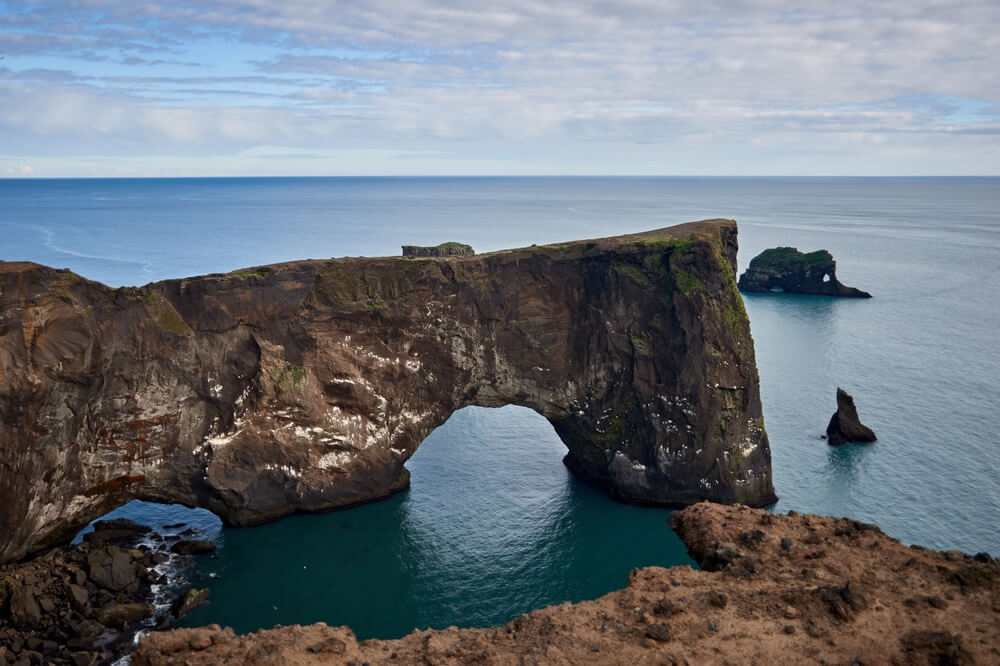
pixel 785 269
pixel 845 425
pixel 83 603
pixel 783 589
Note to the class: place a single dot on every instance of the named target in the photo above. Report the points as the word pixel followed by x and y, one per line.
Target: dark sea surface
pixel 493 524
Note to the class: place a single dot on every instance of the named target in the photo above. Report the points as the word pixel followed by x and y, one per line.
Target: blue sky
pixel 297 87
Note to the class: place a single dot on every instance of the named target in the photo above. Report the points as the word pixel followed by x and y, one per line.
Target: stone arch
pixel 306 386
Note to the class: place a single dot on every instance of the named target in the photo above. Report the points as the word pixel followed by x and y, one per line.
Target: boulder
pixel 24 609
pixel 79 596
pixel 786 269
pixel 120 615
pixel 112 568
pixel 845 426
pixel 118 532
pixel 193 547
pixel 188 601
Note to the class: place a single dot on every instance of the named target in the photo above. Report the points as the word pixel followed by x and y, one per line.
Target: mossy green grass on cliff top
pixel 259 273
pixel 287 376
pixel 554 248
pixel 787 257
pixel 675 244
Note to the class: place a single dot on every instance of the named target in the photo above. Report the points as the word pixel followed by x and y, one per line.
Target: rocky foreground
pixel 774 589
pixel 83 604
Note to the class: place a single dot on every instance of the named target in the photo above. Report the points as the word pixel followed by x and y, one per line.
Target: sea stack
pixel 787 269
pixel 845 426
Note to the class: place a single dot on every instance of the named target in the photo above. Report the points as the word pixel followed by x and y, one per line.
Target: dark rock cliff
pixel 305 386
pixel 787 269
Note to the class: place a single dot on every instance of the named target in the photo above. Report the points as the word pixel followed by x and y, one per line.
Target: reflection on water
pixel 493 526
pixel 842 471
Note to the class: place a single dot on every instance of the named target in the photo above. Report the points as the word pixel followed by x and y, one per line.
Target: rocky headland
pixel 786 269
pixel 773 589
pixel 306 386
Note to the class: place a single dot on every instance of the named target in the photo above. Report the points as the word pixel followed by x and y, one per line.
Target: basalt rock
pixel 787 269
pixel 188 601
pixel 193 547
pixel 845 425
pixel 306 386
pixel 119 532
pixel 50 605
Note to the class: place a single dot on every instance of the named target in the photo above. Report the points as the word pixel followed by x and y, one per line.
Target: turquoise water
pixel 493 525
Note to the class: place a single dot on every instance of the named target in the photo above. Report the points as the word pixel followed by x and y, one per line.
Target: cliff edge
pixel 795 589
pixel 306 386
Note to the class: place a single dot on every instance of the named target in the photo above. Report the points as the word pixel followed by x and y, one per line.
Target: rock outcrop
pixel 845 425
pixel 787 269
pixel 450 249
pixel 306 386
pixel 773 589
pixel 82 603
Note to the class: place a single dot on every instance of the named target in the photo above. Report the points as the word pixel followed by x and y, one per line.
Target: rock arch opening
pixel 492 526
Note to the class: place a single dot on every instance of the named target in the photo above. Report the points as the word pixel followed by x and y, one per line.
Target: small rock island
pixel 787 269
pixel 845 425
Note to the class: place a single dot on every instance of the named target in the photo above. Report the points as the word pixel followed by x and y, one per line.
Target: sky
pixel 529 87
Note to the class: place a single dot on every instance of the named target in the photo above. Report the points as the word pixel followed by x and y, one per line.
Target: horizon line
pixel 495 176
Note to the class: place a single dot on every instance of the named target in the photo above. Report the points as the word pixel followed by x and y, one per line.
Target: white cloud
pixel 568 77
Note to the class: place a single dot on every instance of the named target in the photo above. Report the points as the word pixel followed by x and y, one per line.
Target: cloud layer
pixel 254 86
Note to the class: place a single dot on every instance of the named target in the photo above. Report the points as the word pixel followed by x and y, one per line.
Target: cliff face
pixel 787 269
pixel 795 589
pixel 306 386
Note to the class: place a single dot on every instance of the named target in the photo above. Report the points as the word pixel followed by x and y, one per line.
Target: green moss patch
pixel 686 281
pixel 633 272
pixel 673 244
pixel 789 258
pixel 259 273
pixel 287 376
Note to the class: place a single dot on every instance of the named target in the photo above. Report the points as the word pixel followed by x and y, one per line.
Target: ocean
pixel 493 525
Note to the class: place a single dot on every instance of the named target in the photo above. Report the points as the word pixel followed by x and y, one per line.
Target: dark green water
pixel 492 526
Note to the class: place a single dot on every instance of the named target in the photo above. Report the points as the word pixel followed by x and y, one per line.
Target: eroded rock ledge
pixel 305 386
pixel 795 589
